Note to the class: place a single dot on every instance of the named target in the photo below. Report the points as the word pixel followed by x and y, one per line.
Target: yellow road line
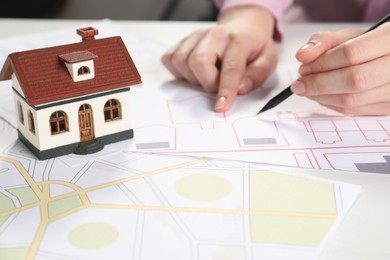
pixel 36 242
pixel 78 191
pixel 16 210
pixel 25 174
pixel 147 174
pixel 219 211
pixel 70 212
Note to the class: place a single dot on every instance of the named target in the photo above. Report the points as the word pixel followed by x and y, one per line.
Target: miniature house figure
pixel 73 98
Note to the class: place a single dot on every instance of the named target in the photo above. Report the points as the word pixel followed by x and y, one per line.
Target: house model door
pixel 86 123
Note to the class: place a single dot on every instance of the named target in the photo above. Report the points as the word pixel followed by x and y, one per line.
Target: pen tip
pixel 258 113
pixel 265 108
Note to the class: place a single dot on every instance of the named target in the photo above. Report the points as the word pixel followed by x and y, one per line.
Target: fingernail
pixel 245 86
pixel 220 104
pixel 304 70
pixel 298 87
pixel 308 45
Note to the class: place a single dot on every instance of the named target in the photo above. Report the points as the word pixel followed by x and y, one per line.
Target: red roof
pixel 44 77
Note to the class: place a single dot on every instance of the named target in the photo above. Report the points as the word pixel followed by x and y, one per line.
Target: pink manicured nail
pixel 308 45
pixel 220 104
pixel 304 70
pixel 298 87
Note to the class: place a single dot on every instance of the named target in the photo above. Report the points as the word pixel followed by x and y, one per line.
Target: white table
pixel 365 233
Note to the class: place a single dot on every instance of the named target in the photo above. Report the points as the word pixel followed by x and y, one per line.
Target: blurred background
pixel 181 10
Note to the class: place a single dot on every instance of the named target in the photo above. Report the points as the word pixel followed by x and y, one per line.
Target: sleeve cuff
pixel 276 8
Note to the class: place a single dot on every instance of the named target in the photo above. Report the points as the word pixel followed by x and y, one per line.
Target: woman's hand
pixel 232 58
pixel 347 71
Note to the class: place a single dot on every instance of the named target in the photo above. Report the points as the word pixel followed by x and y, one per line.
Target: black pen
pixel 279 98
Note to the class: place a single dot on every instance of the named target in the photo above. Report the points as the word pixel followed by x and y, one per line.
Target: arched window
pixel 20 113
pixel 83 70
pixel 112 110
pixel 31 122
pixel 59 122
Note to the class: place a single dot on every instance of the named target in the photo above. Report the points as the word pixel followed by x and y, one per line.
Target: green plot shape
pixel 95 235
pixel 25 195
pixel 294 231
pixel 203 187
pixel 15 253
pixel 310 202
pixel 61 206
pixel 6 203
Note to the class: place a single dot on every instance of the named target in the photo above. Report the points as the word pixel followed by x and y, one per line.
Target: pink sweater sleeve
pixel 276 7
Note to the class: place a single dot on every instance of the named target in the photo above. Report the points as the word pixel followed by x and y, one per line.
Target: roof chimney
pixel 87 33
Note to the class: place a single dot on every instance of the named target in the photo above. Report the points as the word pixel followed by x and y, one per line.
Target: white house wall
pixel 16 85
pixel 25 128
pixel 74 67
pixel 101 128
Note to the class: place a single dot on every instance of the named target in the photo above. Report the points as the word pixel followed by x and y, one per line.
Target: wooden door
pixel 86 123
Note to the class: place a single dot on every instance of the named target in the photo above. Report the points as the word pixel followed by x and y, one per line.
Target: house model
pixel 73 98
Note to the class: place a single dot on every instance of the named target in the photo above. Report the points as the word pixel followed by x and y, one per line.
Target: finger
pixel 258 70
pixel 203 59
pixel 179 58
pixel 354 51
pixel 232 71
pixel 166 59
pixel 353 100
pixel 353 79
pixel 321 42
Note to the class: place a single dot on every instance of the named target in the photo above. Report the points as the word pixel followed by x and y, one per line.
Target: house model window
pixel 83 70
pixel 31 122
pixel 59 122
pixel 112 110
pixel 20 113
pixel 79 64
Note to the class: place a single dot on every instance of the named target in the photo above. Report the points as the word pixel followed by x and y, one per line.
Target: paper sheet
pixel 123 204
pixel 129 205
